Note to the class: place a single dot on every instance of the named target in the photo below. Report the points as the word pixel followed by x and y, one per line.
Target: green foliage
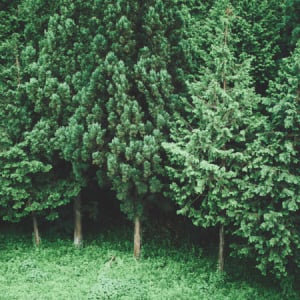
pixel 18 191
pixel 56 78
pixel 25 188
pixel 258 26
pixel 25 146
pixel 269 203
pixel 14 114
pixel 208 143
pixel 291 30
pixel 103 89
pixel 104 269
pixel 140 94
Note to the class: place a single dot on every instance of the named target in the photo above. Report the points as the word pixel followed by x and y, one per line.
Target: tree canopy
pixel 191 103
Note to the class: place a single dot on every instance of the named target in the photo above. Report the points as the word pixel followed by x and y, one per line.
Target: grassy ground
pixel 105 269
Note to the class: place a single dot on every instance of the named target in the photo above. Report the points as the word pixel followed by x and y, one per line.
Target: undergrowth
pixel 104 268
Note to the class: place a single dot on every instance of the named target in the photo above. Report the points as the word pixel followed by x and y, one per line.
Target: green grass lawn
pixel 104 268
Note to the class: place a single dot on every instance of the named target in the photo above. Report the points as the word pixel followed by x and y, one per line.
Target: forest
pixel 177 116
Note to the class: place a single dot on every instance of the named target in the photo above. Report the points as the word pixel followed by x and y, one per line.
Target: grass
pixel 105 269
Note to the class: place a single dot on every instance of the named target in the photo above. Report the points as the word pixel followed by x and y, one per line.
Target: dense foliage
pixel 186 103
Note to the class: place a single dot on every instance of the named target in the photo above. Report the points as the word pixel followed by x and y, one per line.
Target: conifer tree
pixel 140 92
pixel 291 30
pixel 25 191
pixel 125 116
pixel 208 142
pixel 258 27
pixel 268 210
pixel 56 79
pixel 34 99
pixel 15 118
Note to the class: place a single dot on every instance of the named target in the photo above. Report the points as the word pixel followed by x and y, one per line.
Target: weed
pixel 104 268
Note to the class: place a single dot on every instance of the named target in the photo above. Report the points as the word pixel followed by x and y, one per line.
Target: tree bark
pixel 221 248
pixel 18 67
pixel 137 238
pixel 37 238
pixel 77 222
pixel 221 229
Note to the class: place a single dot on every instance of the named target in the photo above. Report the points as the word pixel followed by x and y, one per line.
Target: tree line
pixel 195 102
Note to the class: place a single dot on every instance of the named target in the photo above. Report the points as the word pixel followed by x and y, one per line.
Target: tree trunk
pixel 77 222
pixel 221 248
pixel 137 238
pixel 18 67
pixel 37 238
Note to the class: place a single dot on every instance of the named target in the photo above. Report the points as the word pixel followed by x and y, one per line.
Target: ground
pixel 104 268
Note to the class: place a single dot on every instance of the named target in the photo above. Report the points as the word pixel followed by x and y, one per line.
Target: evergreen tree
pixel 26 191
pixel 56 79
pixel 140 94
pixel 125 158
pixel 291 29
pixel 13 109
pixel 15 117
pixel 258 26
pixel 34 111
pixel 208 145
pixel 268 210
pixel 91 89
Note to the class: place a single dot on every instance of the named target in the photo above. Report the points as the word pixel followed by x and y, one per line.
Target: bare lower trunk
pixel 37 238
pixel 77 222
pixel 137 238
pixel 221 248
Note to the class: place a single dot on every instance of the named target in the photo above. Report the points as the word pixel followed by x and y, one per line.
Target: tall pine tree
pixel 208 145
pixel 268 210
pixel 140 99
